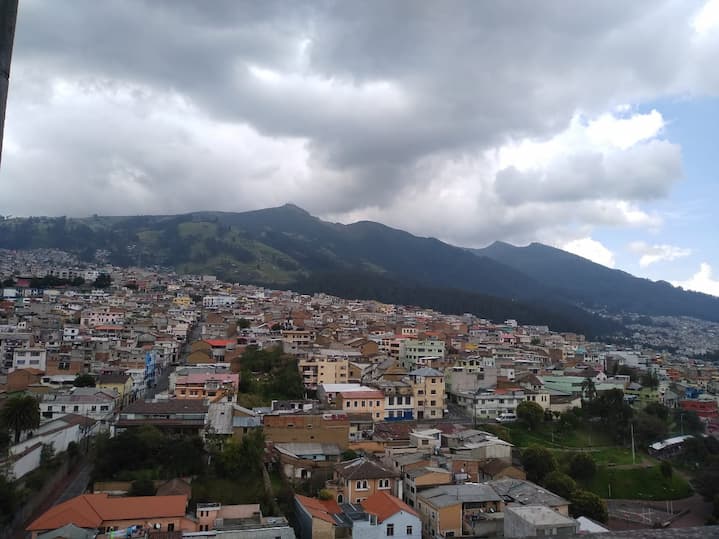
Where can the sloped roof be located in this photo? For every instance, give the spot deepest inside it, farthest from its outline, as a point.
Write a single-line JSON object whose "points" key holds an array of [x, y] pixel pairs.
{"points": [[363, 468], [322, 509], [385, 505], [91, 510]]}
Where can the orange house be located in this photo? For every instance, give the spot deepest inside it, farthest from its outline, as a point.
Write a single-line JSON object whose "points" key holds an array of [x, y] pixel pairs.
{"points": [[106, 514]]}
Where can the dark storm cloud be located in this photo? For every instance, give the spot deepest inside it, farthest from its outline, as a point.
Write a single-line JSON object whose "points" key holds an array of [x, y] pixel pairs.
{"points": [[337, 105]]}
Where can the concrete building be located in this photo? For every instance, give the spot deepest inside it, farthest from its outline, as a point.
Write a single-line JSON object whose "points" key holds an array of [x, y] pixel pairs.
{"points": [[428, 391], [536, 521]]}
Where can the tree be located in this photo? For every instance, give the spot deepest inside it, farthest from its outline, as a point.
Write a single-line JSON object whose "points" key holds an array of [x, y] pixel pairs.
{"points": [[84, 380], [536, 341], [649, 428], [9, 500], [142, 487], [530, 413], [560, 483], [688, 422], [582, 466], [538, 462], [589, 390], [657, 409], [243, 323], [103, 281], [19, 414], [650, 380], [587, 504]]}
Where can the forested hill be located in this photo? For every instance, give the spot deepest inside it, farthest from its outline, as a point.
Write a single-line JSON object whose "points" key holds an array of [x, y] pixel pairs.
{"points": [[586, 283]]}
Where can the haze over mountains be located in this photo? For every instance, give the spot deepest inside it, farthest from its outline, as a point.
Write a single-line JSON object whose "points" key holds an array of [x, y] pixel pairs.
{"points": [[288, 247]]}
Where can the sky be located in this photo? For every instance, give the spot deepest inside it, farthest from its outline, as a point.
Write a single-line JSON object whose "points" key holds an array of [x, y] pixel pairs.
{"points": [[588, 126]]}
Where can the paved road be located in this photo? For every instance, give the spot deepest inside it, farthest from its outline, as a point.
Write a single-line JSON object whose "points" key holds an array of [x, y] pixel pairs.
{"points": [[162, 381], [77, 485]]}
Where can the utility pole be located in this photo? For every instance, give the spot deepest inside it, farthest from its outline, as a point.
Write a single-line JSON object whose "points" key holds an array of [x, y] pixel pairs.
{"points": [[634, 455], [8, 17]]}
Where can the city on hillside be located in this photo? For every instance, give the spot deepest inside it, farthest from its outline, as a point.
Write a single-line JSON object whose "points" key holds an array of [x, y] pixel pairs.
{"points": [[136, 402]]}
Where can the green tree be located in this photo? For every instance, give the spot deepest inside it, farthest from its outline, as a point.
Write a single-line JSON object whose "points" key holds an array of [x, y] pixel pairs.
{"points": [[349, 454], [9, 500], [657, 409], [560, 483], [582, 466], [243, 323], [650, 380], [649, 428], [84, 380], [103, 281], [688, 422], [531, 414], [19, 414], [142, 487], [587, 504], [538, 462], [536, 341]]}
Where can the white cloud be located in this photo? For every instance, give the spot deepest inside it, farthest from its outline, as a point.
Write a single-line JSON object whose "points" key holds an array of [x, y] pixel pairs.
{"points": [[708, 18], [702, 281], [592, 250], [650, 254]]}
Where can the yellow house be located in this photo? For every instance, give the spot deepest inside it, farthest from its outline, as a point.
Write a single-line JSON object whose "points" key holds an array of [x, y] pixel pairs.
{"points": [[362, 402], [428, 390], [120, 382]]}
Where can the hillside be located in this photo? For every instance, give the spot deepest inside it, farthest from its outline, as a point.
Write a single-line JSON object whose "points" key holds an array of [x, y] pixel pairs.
{"points": [[597, 287], [288, 247]]}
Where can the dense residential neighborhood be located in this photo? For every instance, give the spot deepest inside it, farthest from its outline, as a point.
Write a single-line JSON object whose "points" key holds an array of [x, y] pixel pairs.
{"points": [[139, 402]]}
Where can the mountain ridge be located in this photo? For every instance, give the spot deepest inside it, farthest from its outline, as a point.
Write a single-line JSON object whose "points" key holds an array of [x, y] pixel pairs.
{"points": [[286, 245]]}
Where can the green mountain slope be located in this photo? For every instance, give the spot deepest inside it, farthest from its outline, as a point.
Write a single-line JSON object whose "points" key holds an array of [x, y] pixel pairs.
{"points": [[584, 282]]}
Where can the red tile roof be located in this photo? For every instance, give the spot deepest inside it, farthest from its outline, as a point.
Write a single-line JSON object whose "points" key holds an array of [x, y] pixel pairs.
{"points": [[220, 343], [322, 509], [91, 510], [384, 505]]}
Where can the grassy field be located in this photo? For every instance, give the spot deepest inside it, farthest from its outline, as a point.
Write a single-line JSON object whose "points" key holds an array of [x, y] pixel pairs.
{"points": [[641, 483], [547, 436]]}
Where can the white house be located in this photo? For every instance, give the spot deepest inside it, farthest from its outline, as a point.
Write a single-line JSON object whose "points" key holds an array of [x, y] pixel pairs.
{"points": [[35, 358], [95, 403]]}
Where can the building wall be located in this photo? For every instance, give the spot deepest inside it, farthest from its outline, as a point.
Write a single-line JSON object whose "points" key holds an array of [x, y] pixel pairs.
{"points": [[326, 429], [428, 390], [373, 405]]}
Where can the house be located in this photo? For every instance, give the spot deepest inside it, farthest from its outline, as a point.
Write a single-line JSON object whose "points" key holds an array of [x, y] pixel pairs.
{"points": [[456, 510], [356, 480], [302, 461], [244, 521], [379, 516], [370, 401], [120, 382], [180, 416], [98, 404], [428, 391], [537, 521], [104, 513], [418, 479], [326, 428], [206, 385]]}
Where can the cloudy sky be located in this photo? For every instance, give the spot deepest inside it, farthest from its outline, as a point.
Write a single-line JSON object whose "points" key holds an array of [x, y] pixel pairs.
{"points": [[589, 126]]}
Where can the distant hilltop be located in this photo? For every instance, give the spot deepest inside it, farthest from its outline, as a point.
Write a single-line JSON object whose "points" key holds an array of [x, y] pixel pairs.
{"points": [[287, 247]]}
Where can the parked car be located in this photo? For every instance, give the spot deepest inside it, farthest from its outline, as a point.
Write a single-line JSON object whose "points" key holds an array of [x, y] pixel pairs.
{"points": [[506, 417]]}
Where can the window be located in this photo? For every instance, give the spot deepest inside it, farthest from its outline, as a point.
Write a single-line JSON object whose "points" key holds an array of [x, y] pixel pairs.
{"points": [[433, 392], [433, 403], [364, 403], [171, 527], [348, 403], [409, 530], [62, 408], [434, 380], [76, 408], [390, 530], [94, 408], [377, 403]]}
